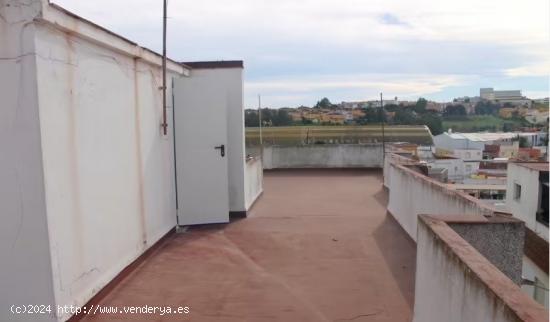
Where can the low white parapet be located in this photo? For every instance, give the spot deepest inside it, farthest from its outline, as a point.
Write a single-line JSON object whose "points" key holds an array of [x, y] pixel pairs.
{"points": [[412, 193], [455, 282], [253, 181], [323, 156]]}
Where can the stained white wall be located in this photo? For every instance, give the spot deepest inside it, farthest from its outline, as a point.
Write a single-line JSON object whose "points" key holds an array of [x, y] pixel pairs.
{"points": [[26, 270], [254, 181], [109, 173], [411, 194], [447, 290], [526, 207], [323, 156], [88, 178]]}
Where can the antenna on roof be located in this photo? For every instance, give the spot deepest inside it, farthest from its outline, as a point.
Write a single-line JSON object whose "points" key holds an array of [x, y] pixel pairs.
{"points": [[260, 124], [164, 18], [382, 114]]}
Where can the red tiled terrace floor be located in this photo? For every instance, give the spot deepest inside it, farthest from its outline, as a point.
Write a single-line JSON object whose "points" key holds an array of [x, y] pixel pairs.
{"points": [[317, 246]]}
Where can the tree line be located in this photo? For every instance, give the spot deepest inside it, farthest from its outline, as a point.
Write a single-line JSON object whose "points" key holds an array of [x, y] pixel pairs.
{"points": [[402, 114]]}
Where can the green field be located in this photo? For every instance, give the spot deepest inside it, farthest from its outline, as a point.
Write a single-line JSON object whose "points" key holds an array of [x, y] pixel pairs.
{"points": [[299, 135], [479, 123]]}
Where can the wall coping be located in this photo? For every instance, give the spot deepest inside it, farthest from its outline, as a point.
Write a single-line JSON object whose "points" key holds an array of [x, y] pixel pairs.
{"points": [[487, 209], [324, 145], [66, 21]]}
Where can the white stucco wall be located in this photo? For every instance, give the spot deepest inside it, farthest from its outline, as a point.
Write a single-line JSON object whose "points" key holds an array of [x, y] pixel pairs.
{"points": [[88, 178], [254, 181], [411, 194], [323, 156], [109, 173], [526, 207], [446, 289], [26, 269]]}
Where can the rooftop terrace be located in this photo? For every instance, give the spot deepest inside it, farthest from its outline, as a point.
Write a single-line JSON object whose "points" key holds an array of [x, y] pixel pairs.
{"points": [[91, 184], [317, 246]]}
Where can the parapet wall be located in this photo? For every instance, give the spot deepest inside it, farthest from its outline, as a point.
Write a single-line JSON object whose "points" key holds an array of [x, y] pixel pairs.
{"points": [[411, 193], [469, 255], [253, 181], [455, 283], [323, 156]]}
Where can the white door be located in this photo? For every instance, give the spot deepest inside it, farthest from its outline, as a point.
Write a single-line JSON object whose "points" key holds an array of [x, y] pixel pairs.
{"points": [[200, 125]]}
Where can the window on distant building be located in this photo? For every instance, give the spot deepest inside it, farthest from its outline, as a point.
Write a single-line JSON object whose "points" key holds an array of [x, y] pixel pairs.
{"points": [[468, 155], [517, 191]]}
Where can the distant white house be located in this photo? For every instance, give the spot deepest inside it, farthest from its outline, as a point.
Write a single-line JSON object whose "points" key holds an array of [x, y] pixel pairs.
{"points": [[473, 141], [527, 199], [527, 196], [454, 167]]}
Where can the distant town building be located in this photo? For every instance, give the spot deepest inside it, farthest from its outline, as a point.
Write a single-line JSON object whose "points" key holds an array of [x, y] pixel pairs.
{"points": [[509, 96], [491, 95], [542, 100], [527, 199], [477, 141], [435, 106], [454, 167]]}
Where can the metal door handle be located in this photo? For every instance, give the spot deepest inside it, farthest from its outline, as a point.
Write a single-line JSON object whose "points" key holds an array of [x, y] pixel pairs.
{"points": [[222, 149]]}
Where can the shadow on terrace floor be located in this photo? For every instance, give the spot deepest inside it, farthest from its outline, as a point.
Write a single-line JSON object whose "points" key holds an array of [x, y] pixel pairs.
{"points": [[317, 246]]}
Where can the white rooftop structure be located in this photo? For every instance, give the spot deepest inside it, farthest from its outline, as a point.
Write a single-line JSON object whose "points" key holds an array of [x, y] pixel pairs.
{"points": [[506, 95], [484, 136], [454, 141]]}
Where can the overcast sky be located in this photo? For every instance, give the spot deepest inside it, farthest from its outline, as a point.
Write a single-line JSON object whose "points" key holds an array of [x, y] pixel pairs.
{"points": [[296, 52]]}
